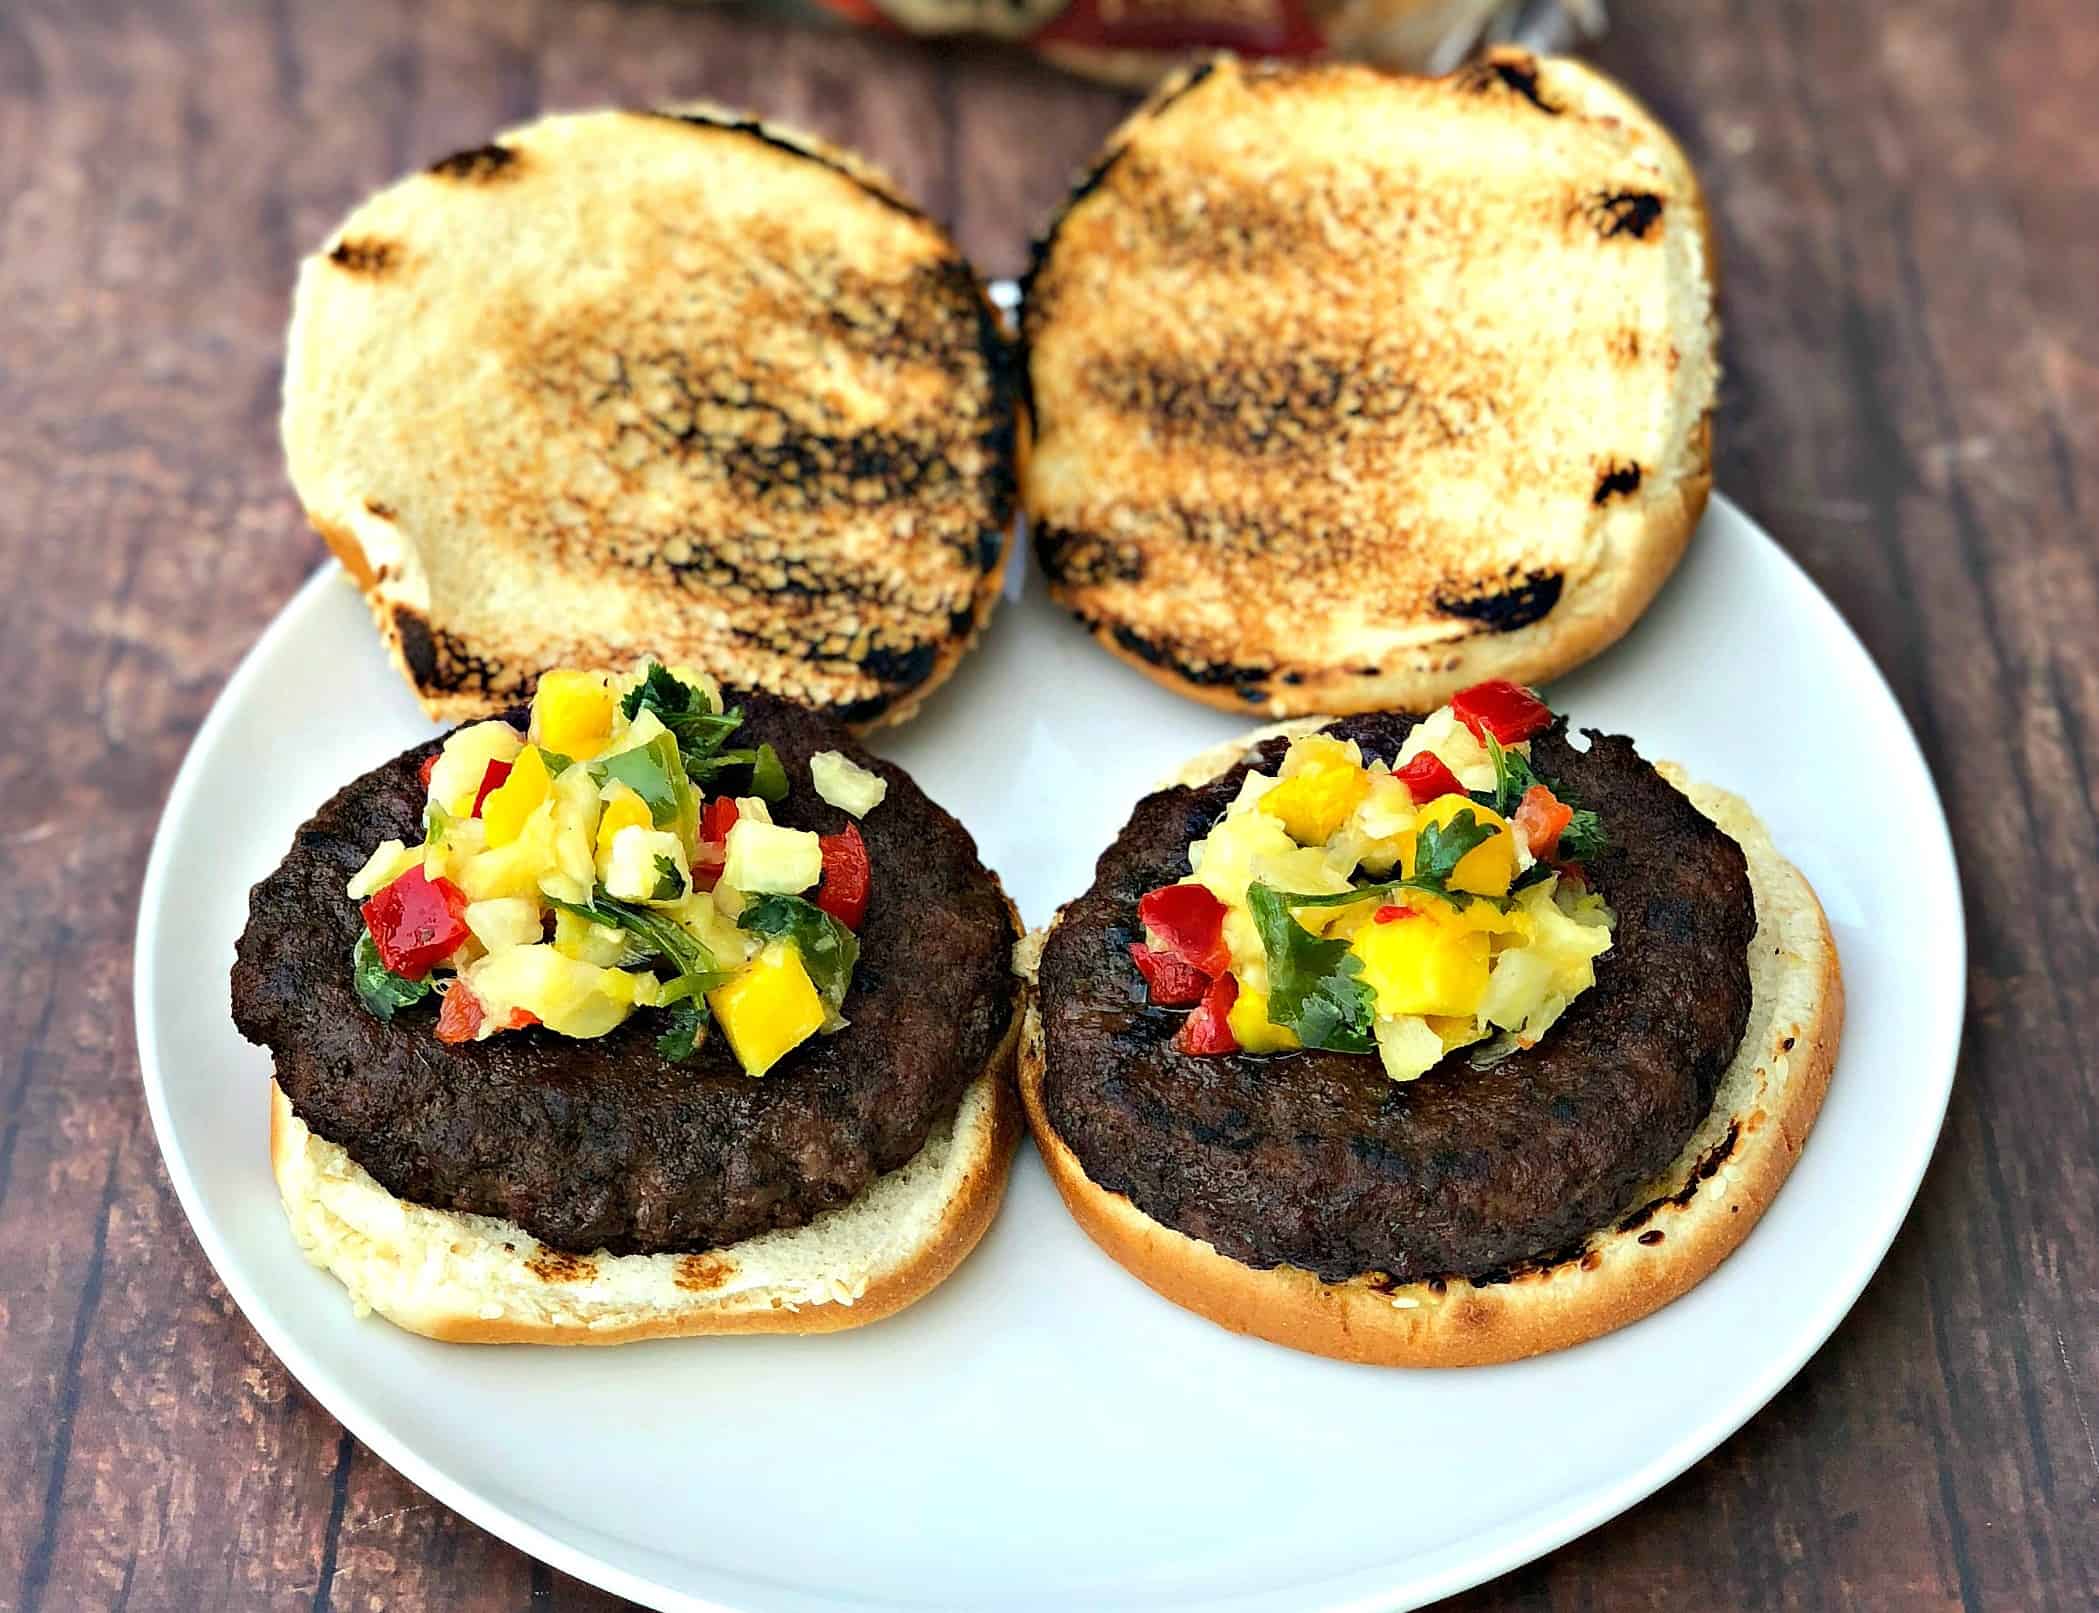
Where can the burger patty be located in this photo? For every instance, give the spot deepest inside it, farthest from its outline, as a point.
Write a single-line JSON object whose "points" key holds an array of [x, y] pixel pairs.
{"points": [[1317, 1159], [604, 1143]]}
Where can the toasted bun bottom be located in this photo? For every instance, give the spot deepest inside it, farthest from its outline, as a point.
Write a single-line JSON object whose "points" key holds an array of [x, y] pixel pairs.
{"points": [[1675, 1228], [474, 1279]]}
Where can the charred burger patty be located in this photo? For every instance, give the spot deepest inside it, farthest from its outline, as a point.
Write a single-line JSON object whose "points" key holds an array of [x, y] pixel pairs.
{"points": [[604, 1143], [1318, 1160]]}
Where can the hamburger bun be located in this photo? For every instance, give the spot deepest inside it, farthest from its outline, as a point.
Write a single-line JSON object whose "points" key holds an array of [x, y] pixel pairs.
{"points": [[1348, 390], [1672, 1232], [474, 1279], [675, 383]]}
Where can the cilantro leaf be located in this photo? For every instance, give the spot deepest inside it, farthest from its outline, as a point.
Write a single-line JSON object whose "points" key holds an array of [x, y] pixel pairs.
{"points": [[829, 950], [670, 882], [1512, 776], [656, 773], [687, 1025], [378, 987], [768, 778], [1440, 847], [1313, 987], [663, 937], [436, 820], [698, 728], [1584, 838], [660, 692]]}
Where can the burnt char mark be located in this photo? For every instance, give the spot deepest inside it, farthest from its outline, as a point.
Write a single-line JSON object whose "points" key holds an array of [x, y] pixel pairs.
{"points": [[1618, 480], [1625, 212], [477, 166], [418, 645], [441, 663], [1504, 612], [365, 255], [1086, 559], [1207, 674], [901, 669], [1708, 1164], [1519, 76], [755, 130], [558, 1266]]}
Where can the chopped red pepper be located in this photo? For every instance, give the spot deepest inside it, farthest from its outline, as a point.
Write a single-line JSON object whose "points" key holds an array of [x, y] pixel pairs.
{"points": [[1428, 778], [717, 818], [1173, 984], [1390, 914], [1541, 816], [1208, 1028], [492, 778], [1189, 923], [1508, 711], [843, 893], [429, 766], [520, 1019], [459, 1019], [415, 922]]}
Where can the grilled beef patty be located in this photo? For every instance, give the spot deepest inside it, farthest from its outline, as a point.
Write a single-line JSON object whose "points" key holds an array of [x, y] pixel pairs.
{"points": [[1317, 1159], [604, 1143]]}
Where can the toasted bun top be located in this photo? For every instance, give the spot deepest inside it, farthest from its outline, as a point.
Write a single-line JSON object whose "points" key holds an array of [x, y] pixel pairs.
{"points": [[671, 383], [1335, 372]]}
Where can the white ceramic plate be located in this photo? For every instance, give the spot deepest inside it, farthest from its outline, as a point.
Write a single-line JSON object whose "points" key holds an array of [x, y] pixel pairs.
{"points": [[1043, 1431]]}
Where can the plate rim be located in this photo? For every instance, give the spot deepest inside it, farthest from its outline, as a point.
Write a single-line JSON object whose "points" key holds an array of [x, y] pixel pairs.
{"points": [[1349, 1592]]}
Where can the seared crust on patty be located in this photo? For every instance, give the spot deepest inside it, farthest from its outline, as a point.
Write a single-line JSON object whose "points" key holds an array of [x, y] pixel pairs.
{"points": [[603, 1144], [670, 382], [1317, 1160], [1350, 389]]}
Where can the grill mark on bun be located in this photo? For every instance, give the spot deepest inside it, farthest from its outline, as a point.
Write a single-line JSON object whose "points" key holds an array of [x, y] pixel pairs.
{"points": [[1294, 403], [366, 255], [1618, 480], [1087, 557], [1503, 75], [699, 1274], [478, 165], [1248, 680], [1507, 609], [558, 1266], [1625, 212]]}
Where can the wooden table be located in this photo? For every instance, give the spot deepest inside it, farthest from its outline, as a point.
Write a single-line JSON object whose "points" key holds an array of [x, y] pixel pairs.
{"points": [[1909, 208]]}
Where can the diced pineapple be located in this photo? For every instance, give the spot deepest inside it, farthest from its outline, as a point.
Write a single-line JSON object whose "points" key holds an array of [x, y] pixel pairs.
{"points": [[455, 778], [1489, 867], [1418, 966], [846, 784], [566, 994], [576, 937], [1250, 1025], [1457, 746], [572, 713], [504, 921], [647, 865], [764, 857], [1408, 1046], [382, 868], [509, 804], [769, 1008], [575, 803]]}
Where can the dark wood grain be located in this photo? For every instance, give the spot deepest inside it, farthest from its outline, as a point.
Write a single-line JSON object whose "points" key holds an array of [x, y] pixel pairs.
{"points": [[1909, 212]]}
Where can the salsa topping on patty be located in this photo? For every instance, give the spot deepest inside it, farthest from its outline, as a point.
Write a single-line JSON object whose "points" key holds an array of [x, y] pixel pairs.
{"points": [[619, 855], [1401, 908]]}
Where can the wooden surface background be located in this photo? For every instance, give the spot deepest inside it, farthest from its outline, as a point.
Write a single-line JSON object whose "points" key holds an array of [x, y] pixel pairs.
{"points": [[1908, 204]]}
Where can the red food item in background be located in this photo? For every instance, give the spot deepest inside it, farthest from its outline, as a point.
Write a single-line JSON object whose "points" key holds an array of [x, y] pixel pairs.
{"points": [[1392, 914], [1427, 777], [416, 922], [847, 876], [1541, 816], [429, 766], [491, 778], [1189, 922], [1208, 1029], [459, 1020], [519, 1019], [1508, 711], [1173, 984]]}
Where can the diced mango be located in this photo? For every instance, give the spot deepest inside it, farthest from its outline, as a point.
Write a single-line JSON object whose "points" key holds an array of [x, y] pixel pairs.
{"points": [[572, 712], [1314, 803], [1489, 867], [510, 803], [769, 1008], [1249, 1022], [624, 810], [455, 777], [1418, 966]]}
